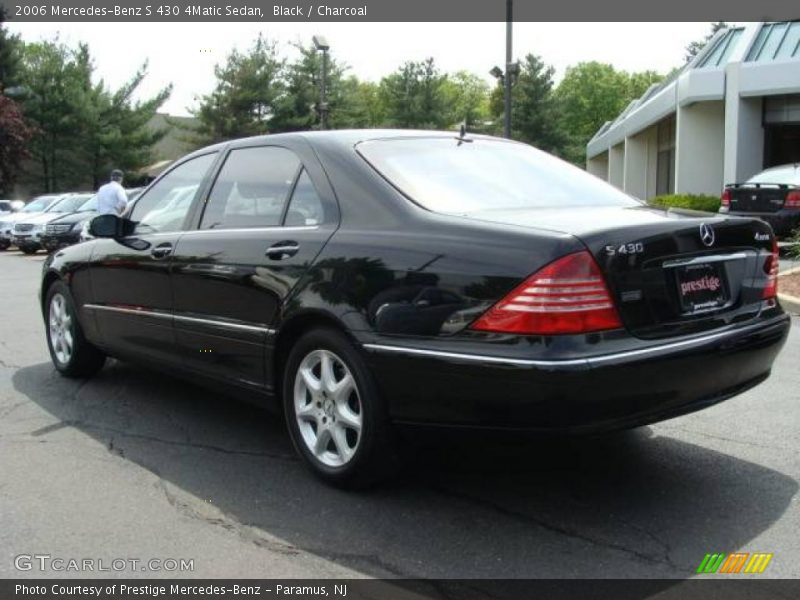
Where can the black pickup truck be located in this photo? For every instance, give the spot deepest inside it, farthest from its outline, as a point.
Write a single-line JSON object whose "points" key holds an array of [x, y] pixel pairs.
{"points": [[773, 196]]}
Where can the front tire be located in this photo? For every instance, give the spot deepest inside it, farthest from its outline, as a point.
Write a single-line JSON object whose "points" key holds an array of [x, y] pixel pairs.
{"points": [[29, 249], [72, 354], [337, 420]]}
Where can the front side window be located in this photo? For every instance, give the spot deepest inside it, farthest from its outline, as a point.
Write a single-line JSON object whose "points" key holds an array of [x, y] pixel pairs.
{"points": [[164, 207], [450, 176], [251, 189]]}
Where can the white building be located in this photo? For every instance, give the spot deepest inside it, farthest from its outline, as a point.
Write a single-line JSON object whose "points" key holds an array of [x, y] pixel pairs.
{"points": [[728, 114]]}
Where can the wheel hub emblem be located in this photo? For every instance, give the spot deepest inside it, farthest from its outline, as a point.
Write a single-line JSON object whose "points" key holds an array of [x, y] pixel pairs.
{"points": [[328, 407], [706, 234]]}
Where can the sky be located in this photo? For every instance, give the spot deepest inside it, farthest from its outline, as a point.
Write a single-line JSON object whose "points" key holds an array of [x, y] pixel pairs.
{"points": [[184, 54]]}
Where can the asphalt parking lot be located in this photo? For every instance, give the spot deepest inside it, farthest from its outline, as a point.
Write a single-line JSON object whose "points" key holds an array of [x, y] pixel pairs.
{"points": [[134, 464]]}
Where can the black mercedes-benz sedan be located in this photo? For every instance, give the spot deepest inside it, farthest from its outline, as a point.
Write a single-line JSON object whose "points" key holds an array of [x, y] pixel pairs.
{"points": [[772, 195], [363, 280]]}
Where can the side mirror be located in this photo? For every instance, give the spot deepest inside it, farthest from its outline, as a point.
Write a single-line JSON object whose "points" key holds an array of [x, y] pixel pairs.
{"points": [[107, 226]]}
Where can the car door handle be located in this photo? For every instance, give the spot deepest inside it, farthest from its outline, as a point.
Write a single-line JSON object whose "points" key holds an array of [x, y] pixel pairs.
{"points": [[162, 250], [282, 250]]}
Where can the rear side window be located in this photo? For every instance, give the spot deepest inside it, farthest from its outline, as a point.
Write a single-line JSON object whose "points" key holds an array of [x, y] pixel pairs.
{"points": [[305, 207], [461, 177], [251, 189]]}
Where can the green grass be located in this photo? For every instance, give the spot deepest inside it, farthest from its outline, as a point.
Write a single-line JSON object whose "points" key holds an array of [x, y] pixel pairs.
{"points": [[691, 201]]}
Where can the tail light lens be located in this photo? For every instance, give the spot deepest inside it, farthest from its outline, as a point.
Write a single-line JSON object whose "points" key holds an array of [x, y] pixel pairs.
{"points": [[771, 269], [567, 296], [792, 200], [725, 198]]}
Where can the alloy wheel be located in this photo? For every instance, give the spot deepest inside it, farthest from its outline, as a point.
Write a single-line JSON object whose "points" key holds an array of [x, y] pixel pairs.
{"points": [[328, 408], [60, 325]]}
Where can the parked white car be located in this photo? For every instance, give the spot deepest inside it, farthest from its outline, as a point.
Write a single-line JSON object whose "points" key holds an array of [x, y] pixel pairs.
{"points": [[35, 207], [27, 232]]}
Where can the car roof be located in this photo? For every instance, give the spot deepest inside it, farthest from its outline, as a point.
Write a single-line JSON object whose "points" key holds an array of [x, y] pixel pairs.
{"points": [[343, 137]]}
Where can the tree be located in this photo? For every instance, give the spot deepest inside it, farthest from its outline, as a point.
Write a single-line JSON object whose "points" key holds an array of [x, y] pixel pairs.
{"points": [[122, 138], [361, 105], [82, 128], [247, 95], [10, 47], [467, 98], [299, 108], [534, 111], [694, 47], [590, 94], [414, 96], [14, 136]]}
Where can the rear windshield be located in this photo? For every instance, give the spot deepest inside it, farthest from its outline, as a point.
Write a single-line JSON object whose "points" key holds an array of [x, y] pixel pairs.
{"points": [[788, 175], [458, 177]]}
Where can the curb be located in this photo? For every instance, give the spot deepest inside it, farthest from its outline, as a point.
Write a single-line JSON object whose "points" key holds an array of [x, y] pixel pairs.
{"points": [[789, 303]]}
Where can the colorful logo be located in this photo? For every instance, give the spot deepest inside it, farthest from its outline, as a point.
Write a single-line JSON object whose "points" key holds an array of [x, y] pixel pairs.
{"points": [[736, 562]]}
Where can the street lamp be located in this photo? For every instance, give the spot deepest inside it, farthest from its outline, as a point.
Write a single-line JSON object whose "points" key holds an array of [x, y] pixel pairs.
{"points": [[507, 82], [509, 76], [321, 44]]}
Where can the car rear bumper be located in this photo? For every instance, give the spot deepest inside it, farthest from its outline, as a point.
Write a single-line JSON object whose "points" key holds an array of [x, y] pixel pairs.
{"points": [[597, 393], [783, 222]]}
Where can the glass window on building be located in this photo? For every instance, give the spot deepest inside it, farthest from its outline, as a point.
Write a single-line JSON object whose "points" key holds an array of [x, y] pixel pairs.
{"points": [[665, 165]]}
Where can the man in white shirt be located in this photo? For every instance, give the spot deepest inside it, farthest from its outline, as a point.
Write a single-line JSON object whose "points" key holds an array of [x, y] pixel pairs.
{"points": [[111, 197]]}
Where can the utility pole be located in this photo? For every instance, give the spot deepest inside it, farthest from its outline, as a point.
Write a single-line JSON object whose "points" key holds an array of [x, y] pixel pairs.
{"points": [[508, 70], [322, 46]]}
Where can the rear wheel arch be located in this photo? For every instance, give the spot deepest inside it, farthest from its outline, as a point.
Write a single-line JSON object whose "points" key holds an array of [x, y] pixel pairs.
{"points": [[292, 330], [49, 279]]}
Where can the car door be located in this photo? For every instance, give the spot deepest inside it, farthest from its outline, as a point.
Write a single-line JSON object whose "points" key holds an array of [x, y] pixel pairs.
{"points": [[131, 287], [266, 217]]}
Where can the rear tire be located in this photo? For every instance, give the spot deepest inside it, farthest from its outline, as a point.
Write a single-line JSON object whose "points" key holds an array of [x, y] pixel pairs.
{"points": [[338, 422], [4, 245], [72, 354], [29, 249]]}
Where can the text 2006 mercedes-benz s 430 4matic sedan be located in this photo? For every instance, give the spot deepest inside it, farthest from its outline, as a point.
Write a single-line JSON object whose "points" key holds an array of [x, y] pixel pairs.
{"points": [[363, 280]]}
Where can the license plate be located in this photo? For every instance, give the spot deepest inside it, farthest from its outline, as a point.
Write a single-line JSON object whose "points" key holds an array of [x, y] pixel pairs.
{"points": [[701, 287]]}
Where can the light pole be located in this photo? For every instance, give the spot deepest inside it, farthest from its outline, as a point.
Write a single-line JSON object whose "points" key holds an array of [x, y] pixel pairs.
{"points": [[507, 83], [321, 44], [508, 76]]}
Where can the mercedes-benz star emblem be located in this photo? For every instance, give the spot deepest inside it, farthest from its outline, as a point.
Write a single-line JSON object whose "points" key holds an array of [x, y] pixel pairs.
{"points": [[706, 234]]}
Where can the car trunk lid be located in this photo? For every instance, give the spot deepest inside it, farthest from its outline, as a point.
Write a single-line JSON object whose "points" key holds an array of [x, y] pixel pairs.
{"points": [[763, 198], [671, 272]]}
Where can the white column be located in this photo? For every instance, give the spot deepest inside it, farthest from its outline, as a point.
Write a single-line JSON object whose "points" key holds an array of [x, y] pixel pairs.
{"points": [[641, 155], [616, 165], [744, 131], [700, 148], [598, 165]]}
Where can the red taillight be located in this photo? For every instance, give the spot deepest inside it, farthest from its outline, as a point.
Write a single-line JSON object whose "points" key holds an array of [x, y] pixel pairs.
{"points": [[771, 269], [725, 198], [792, 200], [567, 296]]}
